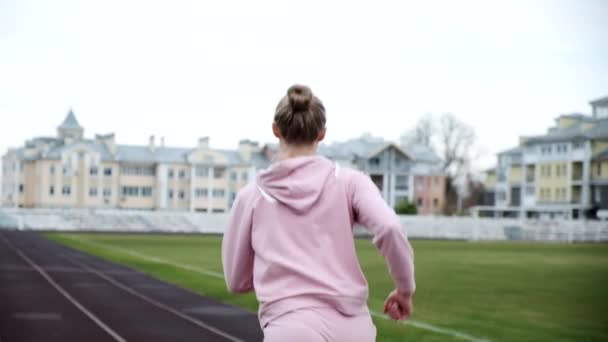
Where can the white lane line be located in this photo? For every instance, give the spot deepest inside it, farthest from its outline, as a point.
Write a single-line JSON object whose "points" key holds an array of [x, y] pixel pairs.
{"points": [[156, 303], [427, 326], [415, 323], [63, 292], [148, 258]]}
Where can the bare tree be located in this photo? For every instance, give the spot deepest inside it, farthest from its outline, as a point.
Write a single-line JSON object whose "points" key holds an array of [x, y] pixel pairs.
{"points": [[453, 140], [422, 134], [457, 142]]}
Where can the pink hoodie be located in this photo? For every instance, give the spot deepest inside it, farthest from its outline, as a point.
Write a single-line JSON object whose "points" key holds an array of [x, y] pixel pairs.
{"points": [[290, 238]]}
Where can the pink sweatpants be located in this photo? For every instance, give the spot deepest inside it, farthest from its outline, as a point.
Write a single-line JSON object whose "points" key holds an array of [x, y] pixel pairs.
{"points": [[320, 325]]}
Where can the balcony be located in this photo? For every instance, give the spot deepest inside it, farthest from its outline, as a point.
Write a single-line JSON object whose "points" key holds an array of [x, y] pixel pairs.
{"points": [[577, 172]]}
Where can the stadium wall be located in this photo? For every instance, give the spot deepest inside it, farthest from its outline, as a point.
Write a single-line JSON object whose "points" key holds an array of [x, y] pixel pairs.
{"points": [[416, 227]]}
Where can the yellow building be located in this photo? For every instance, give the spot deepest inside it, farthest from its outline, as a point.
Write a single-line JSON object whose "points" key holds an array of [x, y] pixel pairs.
{"points": [[561, 173], [71, 171]]}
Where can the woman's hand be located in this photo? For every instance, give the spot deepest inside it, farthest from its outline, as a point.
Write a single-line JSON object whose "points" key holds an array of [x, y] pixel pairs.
{"points": [[398, 306]]}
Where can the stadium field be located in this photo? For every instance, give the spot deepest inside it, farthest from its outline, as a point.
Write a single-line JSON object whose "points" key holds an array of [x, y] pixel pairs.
{"points": [[466, 291]]}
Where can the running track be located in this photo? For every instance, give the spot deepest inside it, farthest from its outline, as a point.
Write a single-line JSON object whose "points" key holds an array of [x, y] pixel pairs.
{"points": [[49, 292]]}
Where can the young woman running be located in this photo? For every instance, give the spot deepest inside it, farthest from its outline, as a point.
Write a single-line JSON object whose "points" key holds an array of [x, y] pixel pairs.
{"points": [[290, 238]]}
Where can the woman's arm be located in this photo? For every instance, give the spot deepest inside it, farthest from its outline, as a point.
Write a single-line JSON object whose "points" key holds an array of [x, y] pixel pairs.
{"points": [[237, 253], [372, 212]]}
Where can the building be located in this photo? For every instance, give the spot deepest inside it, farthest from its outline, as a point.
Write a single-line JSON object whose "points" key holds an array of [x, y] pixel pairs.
{"points": [[410, 173], [563, 173], [429, 181], [70, 170]]}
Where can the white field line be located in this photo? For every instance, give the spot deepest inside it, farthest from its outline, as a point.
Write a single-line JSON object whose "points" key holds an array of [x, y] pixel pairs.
{"points": [[412, 322], [64, 293], [158, 304]]}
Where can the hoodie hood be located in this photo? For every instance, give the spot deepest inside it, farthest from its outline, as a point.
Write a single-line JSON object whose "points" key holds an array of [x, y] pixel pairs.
{"points": [[297, 182]]}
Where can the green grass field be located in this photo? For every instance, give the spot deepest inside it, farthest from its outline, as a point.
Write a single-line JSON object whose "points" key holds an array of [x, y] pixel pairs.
{"points": [[491, 291]]}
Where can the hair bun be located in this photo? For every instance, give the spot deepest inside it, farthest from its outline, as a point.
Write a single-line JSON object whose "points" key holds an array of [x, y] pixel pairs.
{"points": [[299, 97]]}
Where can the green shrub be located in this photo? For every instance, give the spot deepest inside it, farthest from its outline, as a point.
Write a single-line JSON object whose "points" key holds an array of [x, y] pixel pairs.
{"points": [[405, 207]]}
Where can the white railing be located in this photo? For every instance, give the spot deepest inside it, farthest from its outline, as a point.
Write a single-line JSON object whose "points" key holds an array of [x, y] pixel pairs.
{"points": [[416, 227]]}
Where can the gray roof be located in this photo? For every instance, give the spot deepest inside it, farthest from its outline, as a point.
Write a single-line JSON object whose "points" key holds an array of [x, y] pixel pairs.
{"points": [[601, 100], [57, 149], [363, 146], [575, 132], [512, 151], [259, 160], [423, 153], [70, 121], [143, 154]]}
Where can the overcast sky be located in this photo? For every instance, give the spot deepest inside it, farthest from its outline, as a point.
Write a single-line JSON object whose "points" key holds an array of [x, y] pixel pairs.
{"points": [[186, 69]]}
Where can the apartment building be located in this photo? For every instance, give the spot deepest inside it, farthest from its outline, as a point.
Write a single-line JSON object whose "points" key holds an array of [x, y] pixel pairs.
{"points": [[411, 173], [563, 173], [69, 170], [429, 180]]}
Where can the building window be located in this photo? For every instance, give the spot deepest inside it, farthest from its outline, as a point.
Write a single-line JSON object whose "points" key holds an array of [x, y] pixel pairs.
{"points": [[401, 182], [93, 171], [130, 191], [182, 194], [66, 190], [419, 183], [93, 192], [200, 192], [233, 176], [219, 172], [170, 173], [245, 176], [138, 170], [419, 202], [374, 161], [218, 193], [170, 194], [64, 170], [107, 171], [146, 191], [21, 188], [232, 196], [52, 169], [577, 145], [52, 190], [435, 203], [201, 171], [599, 169], [182, 174], [107, 192]]}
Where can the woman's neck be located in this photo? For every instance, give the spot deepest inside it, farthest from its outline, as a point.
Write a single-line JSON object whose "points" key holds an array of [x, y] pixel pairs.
{"points": [[292, 151]]}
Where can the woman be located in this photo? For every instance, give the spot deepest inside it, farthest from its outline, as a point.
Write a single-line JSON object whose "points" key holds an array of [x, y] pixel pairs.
{"points": [[290, 237]]}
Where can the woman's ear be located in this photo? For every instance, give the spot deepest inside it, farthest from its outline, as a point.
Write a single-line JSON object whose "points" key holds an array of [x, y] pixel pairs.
{"points": [[275, 130], [322, 135]]}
